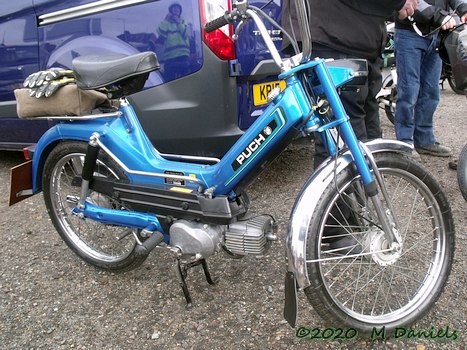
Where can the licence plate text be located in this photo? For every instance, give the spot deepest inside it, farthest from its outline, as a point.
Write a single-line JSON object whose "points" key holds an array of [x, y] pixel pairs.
{"points": [[261, 91]]}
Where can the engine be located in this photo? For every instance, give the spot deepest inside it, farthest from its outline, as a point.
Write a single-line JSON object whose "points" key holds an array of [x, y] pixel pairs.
{"points": [[195, 239], [250, 236], [243, 237]]}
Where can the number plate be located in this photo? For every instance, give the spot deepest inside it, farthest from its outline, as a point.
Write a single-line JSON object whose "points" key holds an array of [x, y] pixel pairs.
{"points": [[261, 91]]}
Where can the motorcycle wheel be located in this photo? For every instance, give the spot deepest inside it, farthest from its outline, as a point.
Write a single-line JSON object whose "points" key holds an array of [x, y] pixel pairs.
{"points": [[374, 288], [105, 246], [462, 172]]}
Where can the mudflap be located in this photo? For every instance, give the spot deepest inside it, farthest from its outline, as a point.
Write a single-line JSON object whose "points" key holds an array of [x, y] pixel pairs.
{"points": [[20, 182], [290, 305]]}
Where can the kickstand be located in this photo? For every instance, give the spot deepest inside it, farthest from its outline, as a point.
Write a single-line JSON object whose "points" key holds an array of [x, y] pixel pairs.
{"points": [[182, 271]]}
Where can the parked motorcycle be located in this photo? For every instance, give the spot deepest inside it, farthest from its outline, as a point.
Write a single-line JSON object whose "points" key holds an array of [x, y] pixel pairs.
{"points": [[370, 239]]}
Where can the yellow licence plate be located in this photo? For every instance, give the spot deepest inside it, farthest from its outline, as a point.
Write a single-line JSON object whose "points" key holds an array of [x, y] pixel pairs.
{"points": [[261, 91]]}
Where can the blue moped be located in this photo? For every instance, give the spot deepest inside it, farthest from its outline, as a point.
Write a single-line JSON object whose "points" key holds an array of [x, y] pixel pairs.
{"points": [[370, 240]]}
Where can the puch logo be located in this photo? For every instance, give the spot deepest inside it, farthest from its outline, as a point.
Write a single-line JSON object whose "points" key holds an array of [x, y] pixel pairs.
{"points": [[254, 145]]}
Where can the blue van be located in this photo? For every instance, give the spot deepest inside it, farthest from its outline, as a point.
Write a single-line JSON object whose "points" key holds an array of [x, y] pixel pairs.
{"points": [[209, 88]]}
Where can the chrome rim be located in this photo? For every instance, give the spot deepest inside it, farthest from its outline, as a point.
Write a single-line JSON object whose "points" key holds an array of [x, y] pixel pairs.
{"points": [[98, 241], [384, 287]]}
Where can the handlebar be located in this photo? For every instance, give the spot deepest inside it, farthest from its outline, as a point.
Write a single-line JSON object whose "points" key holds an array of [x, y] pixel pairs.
{"points": [[218, 22], [244, 12]]}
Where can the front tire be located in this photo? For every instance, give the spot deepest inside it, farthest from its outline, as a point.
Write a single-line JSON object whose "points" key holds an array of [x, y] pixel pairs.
{"points": [[375, 288], [104, 246]]}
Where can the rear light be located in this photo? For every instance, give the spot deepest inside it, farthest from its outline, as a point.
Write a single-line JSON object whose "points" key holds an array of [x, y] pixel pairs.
{"points": [[219, 41], [26, 153]]}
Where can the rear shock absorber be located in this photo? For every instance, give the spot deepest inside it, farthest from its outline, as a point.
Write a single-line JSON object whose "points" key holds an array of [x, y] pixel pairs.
{"points": [[88, 168]]}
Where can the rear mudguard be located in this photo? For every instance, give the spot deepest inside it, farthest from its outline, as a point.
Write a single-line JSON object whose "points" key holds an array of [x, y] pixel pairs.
{"points": [[307, 200], [64, 131]]}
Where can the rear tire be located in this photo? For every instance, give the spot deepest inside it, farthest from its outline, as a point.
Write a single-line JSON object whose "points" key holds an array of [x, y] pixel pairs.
{"points": [[94, 242], [377, 289]]}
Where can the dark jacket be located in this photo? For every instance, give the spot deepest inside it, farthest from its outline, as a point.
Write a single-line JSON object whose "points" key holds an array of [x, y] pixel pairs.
{"points": [[430, 14], [355, 27]]}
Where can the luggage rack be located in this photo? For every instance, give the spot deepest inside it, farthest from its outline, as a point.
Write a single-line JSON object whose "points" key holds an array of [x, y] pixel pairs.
{"points": [[79, 117]]}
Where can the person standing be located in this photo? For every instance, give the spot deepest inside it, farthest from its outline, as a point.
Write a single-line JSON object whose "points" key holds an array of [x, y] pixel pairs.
{"points": [[351, 29], [418, 73], [173, 32]]}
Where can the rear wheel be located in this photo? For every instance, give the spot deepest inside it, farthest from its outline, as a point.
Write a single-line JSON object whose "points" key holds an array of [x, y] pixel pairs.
{"points": [[104, 246], [364, 284]]}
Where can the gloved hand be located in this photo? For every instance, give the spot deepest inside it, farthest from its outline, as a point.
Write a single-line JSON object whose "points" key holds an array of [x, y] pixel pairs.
{"points": [[49, 87], [38, 78]]}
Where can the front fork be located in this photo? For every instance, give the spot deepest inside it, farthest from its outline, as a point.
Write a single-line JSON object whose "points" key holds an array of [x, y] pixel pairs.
{"points": [[359, 154]]}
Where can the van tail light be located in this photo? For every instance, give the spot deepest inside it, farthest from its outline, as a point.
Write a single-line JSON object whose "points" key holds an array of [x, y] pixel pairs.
{"points": [[219, 41]]}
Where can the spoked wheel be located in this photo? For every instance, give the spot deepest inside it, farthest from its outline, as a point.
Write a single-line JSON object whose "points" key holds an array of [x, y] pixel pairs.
{"points": [[104, 246], [357, 280], [462, 172]]}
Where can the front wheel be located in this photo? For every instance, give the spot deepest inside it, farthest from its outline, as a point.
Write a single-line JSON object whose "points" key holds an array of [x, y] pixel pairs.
{"points": [[462, 172], [356, 279], [104, 246]]}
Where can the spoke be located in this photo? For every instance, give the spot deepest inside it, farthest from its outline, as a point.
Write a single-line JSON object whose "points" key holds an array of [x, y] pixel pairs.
{"points": [[351, 283], [377, 293], [356, 285], [389, 288], [419, 245]]}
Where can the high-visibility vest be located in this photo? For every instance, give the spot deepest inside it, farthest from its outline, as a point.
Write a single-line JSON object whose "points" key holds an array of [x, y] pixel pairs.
{"points": [[175, 39]]}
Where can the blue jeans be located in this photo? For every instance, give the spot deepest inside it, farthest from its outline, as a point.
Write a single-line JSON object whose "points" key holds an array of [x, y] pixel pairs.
{"points": [[418, 72]]}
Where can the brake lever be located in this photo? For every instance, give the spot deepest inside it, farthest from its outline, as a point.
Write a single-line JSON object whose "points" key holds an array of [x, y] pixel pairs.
{"points": [[238, 29]]}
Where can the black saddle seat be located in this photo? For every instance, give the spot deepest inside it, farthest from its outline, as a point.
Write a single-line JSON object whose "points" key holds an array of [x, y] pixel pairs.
{"points": [[96, 71]]}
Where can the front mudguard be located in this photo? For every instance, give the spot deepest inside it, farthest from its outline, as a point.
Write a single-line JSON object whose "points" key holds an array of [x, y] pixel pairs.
{"points": [[307, 201]]}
